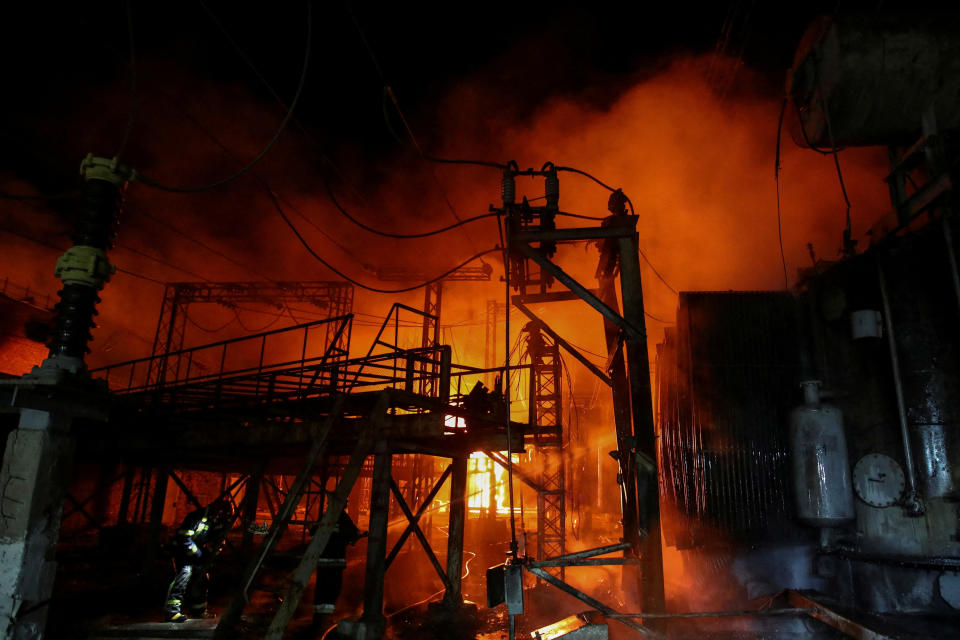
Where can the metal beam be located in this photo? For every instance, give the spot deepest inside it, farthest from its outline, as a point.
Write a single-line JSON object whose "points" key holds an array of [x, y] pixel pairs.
{"points": [[78, 508], [596, 604], [186, 490], [590, 553], [328, 523], [377, 542], [156, 521], [572, 235], [502, 461], [644, 431], [584, 562], [420, 511], [828, 616], [583, 292], [550, 296], [231, 616], [419, 533], [458, 512], [251, 498], [563, 343]]}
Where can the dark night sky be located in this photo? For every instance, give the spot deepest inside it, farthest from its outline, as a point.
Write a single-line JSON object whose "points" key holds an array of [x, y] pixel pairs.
{"points": [[66, 75], [466, 75], [461, 72]]}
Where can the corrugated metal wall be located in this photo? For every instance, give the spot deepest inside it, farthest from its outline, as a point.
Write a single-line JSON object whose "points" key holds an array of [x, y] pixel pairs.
{"points": [[727, 377]]}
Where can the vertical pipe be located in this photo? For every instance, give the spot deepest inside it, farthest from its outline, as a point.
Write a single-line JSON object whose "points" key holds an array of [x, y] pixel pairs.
{"points": [[457, 507], [911, 500]]}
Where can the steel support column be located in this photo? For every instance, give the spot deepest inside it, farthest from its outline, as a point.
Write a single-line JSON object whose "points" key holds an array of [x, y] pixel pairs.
{"points": [[156, 520], [376, 567], [251, 498], [458, 512], [645, 441]]}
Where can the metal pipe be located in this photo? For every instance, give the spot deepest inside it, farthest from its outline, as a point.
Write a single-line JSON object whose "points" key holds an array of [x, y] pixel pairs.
{"points": [[935, 563], [911, 501], [715, 614]]}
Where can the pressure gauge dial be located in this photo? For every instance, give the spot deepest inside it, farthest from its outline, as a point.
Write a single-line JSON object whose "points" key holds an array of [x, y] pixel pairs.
{"points": [[878, 480]]}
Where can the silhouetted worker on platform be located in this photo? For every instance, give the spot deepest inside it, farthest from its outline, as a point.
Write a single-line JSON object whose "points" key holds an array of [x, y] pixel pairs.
{"points": [[330, 567], [195, 544], [483, 402]]}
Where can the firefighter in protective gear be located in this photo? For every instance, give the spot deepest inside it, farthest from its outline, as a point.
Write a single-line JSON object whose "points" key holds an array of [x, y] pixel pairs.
{"points": [[330, 567], [194, 545]]}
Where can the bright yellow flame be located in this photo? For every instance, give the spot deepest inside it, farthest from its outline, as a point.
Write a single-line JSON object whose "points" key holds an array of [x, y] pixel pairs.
{"points": [[481, 470]]}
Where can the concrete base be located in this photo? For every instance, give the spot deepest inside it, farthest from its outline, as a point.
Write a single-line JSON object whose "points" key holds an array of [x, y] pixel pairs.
{"points": [[33, 480]]}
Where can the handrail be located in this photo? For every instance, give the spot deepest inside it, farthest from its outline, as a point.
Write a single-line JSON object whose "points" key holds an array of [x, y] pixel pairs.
{"points": [[204, 371], [223, 342]]}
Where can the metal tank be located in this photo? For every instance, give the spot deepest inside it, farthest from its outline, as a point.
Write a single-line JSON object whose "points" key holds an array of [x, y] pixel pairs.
{"points": [[869, 79], [823, 488]]}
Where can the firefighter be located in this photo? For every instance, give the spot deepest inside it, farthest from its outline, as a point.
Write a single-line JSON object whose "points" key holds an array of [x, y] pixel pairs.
{"points": [[330, 567], [194, 546], [484, 402], [477, 402]]}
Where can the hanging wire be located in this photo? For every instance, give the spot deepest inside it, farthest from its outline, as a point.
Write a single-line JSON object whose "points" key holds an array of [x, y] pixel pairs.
{"points": [[214, 330], [283, 124], [61, 250], [312, 252], [400, 236], [133, 83], [776, 174], [413, 139]]}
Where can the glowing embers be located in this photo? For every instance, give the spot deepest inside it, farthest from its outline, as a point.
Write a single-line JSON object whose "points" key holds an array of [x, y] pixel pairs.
{"points": [[486, 486]]}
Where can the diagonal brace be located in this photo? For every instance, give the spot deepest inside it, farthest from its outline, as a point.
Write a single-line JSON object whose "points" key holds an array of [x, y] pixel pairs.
{"points": [[423, 509], [571, 283], [596, 604], [529, 481], [419, 533], [563, 343]]}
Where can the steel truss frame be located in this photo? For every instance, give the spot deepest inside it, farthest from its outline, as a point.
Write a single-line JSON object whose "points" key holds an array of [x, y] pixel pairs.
{"points": [[335, 298], [628, 372]]}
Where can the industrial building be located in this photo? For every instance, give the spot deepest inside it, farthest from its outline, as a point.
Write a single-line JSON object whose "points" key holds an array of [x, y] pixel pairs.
{"points": [[382, 323]]}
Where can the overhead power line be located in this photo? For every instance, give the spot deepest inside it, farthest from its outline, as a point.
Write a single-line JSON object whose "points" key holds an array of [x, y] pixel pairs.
{"points": [[283, 124], [199, 243], [401, 236], [776, 176], [128, 128], [226, 150], [276, 96], [54, 247], [413, 139], [310, 250]]}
